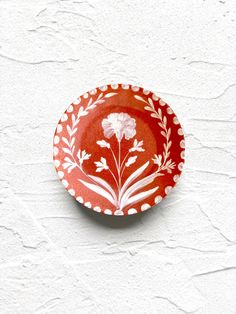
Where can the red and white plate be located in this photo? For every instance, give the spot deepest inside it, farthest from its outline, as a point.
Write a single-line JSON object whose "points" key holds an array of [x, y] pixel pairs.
{"points": [[119, 149]]}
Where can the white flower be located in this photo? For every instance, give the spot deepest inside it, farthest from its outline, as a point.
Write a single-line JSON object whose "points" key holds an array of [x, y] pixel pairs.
{"points": [[120, 124], [137, 146], [103, 144], [82, 156], [101, 165], [131, 161], [157, 159]]}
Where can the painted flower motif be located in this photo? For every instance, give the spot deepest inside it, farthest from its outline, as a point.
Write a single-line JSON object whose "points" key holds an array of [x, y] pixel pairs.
{"points": [[119, 124], [137, 146], [82, 155], [103, 144], [131, 161], [157, 159], [169, 166], [101, 165]]}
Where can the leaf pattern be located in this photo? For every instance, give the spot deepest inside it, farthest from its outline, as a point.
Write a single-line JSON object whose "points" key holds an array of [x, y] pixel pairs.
{"points": [[97, 189]]}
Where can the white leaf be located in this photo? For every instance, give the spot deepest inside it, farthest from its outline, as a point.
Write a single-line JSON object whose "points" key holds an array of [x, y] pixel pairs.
{"points": [[139, 98], [154, 115], [110, 95], [103, 183], [65, 165], [83, 113], [98, 102], [72, 141], [65, 140], [74, 131], [137, 186], [90, 101], [100, 96], [140, 196], [133, 176], [103, 143], [68, 129], [169, 144], [100, 191], [66, 150], [168, 133], [68, 159], [71, 168], [151, 102], [91, 107], [148, 108]]}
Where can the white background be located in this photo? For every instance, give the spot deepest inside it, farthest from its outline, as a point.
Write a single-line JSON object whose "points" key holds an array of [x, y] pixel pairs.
{"points": [[57, 257]]}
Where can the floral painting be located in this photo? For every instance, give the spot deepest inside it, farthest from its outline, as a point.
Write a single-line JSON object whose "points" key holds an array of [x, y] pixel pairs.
{"points": [[114, 163]]}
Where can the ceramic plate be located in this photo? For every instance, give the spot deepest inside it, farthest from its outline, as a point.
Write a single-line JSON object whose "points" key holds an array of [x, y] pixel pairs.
{"points": [[119, 149]]}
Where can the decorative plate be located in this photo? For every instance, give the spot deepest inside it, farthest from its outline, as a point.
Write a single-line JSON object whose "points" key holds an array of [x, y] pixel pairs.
{"points": [[119, 149]]}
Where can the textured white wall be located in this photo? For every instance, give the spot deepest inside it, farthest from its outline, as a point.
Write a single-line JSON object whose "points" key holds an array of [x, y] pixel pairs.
{"points": [[56, 257]]}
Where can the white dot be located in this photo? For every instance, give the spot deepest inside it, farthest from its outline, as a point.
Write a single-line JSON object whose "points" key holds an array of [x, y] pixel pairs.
{"points": [[182, 154], [118, 213], [162, 103], [97, 209], [175, 120], [72, 192], [132, 211], [93, 91], [60, 174], [180, 166], [182, 144], [168, 189], [180, 131], [114, 86], [80, 199], [88, 204], [176, 178], [169, 110], [55, 151], [145, 207], [59, 128], [85, 95], [146, 92], [57, 163], [64, 117], [155, 97], [56, 139], [107, 212], [65, 183], [70, 109], [125, 86], [77, 101], [158, 199], [135, 88], [103, 88]]}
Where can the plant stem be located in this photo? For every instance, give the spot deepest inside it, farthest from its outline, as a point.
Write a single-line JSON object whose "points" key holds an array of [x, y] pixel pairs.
{"points": [[114, 178], [119, 165], [114, 157], [124, 159]]}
